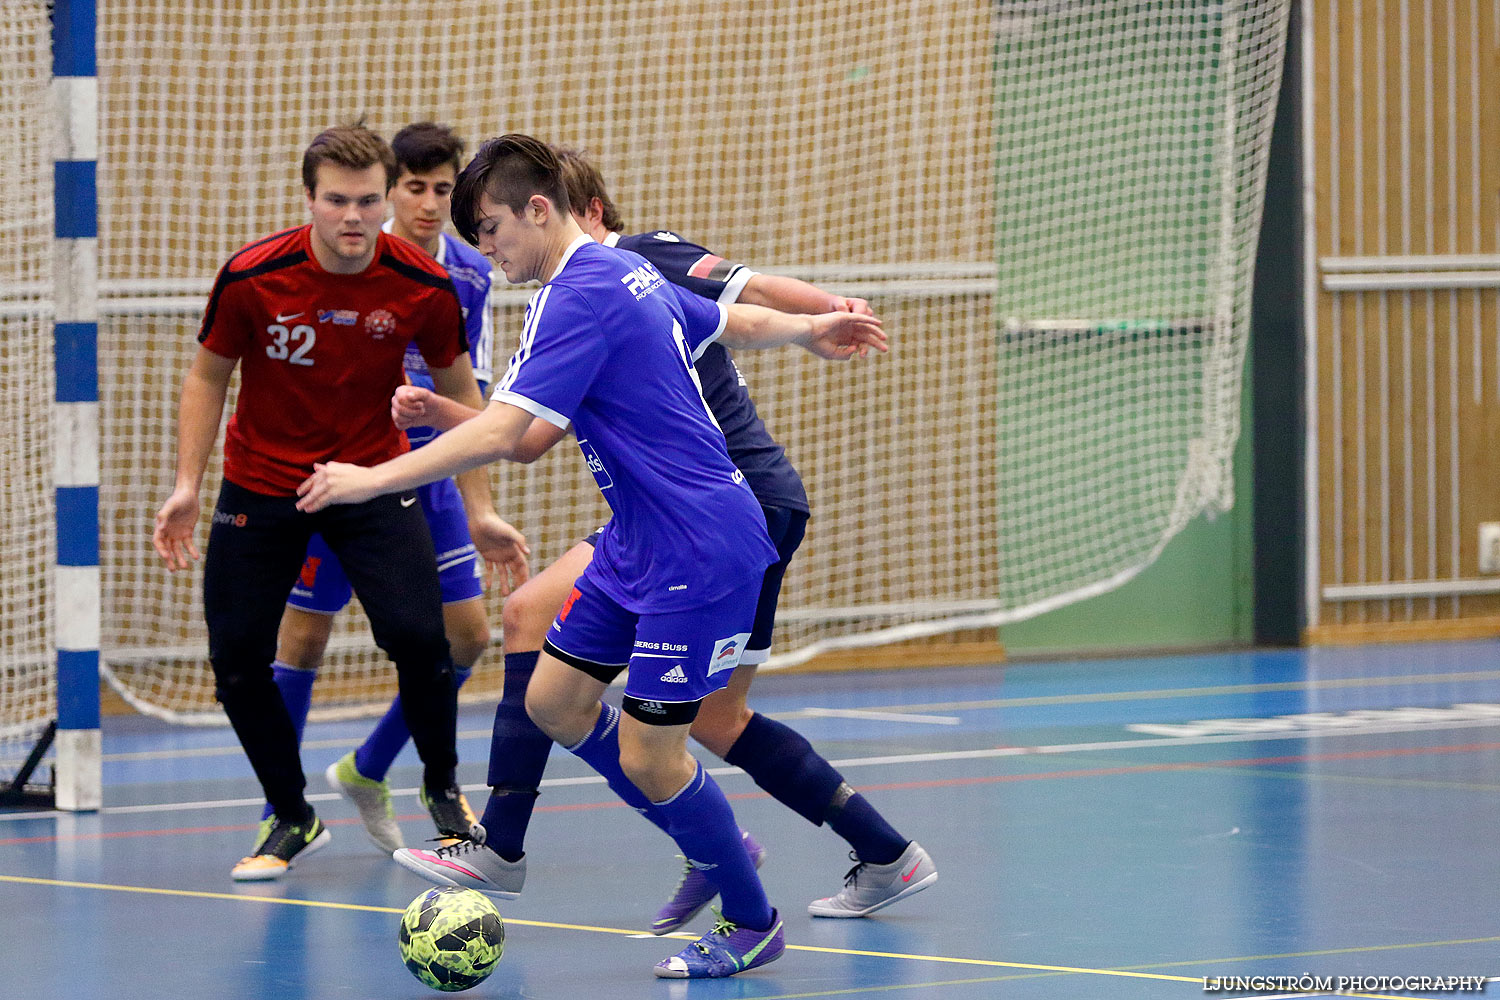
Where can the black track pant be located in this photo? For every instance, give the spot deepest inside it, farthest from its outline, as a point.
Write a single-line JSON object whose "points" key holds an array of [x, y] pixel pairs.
{"points": [[255, 550]]}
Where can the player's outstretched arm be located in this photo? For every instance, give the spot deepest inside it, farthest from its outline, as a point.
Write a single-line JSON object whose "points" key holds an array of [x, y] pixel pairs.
{"points": [[496, 433], [793, 295], [836, 336], [199, 410], [416, 406]]}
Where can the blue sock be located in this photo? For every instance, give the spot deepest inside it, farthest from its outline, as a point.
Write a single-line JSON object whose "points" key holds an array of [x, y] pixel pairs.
{"points": [[295, 685], [518, 756], [700, 821], [781, 761], [373, 758], [600, 749]]}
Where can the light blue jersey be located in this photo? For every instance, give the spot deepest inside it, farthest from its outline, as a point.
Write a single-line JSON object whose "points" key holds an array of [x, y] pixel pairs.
{"points": [[608, 346]]}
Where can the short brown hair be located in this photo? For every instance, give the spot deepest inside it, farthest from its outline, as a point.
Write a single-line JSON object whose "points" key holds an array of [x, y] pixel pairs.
{"points": [[425, 146], [352, 146], [584, 184], [510, 170]]}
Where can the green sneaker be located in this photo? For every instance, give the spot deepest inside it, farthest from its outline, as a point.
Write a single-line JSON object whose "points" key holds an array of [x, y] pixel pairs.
{"points": [[373, 800], [278, 844]]}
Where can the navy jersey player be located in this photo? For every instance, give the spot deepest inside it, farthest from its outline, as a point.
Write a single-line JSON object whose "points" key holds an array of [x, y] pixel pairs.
{"points": [[314, 389], [888, 867], [428, 157], [669, 597]]}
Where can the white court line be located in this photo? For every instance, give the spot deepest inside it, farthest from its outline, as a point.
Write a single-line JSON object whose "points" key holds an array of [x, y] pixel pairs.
{"points": [[914, 758], [857, 713]]}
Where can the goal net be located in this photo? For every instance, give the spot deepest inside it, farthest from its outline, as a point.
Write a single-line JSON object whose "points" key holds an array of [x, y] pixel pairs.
{"points": [[27, 663], [1053, 205]]}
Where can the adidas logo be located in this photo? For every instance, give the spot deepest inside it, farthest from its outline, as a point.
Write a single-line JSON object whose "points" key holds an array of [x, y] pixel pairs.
{"points": [[675, 676]]}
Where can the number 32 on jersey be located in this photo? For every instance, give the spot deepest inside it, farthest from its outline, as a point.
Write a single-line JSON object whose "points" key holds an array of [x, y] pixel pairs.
{"points": [[291, 344]]}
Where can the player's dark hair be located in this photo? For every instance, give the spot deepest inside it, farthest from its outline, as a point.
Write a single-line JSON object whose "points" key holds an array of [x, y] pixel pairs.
{"points": [[352, 146], [510, 170], [584, 184], [426, 146]]}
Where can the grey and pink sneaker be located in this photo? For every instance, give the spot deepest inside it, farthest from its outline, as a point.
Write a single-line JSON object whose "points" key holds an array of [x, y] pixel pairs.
{"points": [[466, 863], [868, 887], [695, 891]]}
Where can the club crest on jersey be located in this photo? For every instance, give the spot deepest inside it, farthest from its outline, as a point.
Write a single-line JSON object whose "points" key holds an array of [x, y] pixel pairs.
{"points": [[338, 317], [727, 653], [379, 323], [643, 280]]}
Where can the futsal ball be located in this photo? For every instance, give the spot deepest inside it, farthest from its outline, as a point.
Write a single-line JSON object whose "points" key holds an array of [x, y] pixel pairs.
{"points": [[451, 938]]}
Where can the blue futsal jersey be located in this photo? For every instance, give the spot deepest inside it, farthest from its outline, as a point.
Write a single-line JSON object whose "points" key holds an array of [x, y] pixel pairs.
{"points": [[608, 345], [470, 273], [751, 447]]}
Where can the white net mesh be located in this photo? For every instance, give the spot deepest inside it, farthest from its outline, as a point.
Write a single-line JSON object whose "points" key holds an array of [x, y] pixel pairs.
{"points": [[27, 666], [1053, 205]]}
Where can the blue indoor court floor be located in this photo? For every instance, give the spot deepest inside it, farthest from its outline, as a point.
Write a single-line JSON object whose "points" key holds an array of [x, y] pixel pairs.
{"points": [[1107, 828]]}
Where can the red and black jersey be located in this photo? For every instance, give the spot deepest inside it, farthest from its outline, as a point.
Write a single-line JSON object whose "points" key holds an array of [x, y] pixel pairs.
{"points": [[320, 353]]}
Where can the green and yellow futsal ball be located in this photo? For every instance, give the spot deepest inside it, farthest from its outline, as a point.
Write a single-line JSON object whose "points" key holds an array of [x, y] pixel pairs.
{"points": [[451, 938]]}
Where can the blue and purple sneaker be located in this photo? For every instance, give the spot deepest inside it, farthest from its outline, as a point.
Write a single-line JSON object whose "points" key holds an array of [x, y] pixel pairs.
{"points": [[725, 951]]}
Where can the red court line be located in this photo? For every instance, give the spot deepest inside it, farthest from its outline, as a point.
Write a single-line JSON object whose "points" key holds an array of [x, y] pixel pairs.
{"points": [[1092, 772]]}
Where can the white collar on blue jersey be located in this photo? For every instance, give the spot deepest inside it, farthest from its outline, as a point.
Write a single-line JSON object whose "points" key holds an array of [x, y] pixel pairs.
{"points": [[582, 241], [389, 226], [611, 239]]}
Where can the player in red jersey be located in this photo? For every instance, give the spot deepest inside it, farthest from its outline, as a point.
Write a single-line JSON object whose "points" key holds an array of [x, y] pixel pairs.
{"points": [[318, 318]]}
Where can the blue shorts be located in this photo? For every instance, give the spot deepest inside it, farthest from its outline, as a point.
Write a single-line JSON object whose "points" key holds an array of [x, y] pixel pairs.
{"points": [[323, 589], [676, 658], [787, 527]]}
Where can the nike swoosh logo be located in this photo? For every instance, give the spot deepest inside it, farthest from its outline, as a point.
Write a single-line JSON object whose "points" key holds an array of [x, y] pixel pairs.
{"points": [[289, 316], [435, 860], [408, 501], [908, 875]]}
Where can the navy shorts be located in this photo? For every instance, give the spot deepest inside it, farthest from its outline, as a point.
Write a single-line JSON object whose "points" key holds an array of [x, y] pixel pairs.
{"points": [[323, 589], [673, 658]]}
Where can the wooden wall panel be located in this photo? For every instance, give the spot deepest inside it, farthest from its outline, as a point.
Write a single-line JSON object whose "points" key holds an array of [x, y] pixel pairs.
{"points": [[1404, 163]]}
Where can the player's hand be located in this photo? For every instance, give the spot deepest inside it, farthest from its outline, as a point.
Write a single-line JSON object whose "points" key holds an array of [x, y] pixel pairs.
{"points": [[504, 550], [336, 482], [409, 406], [173, 536], [839, 336], [861, 306]]}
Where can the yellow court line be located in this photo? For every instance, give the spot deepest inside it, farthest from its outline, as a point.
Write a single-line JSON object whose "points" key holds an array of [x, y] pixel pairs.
{"points": [[944, 959], [199, 894]]}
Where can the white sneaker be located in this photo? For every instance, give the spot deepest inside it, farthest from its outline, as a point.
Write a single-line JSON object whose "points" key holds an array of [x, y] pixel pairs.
{"points": [[372, 798], [467, 863], [868, 887]]}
